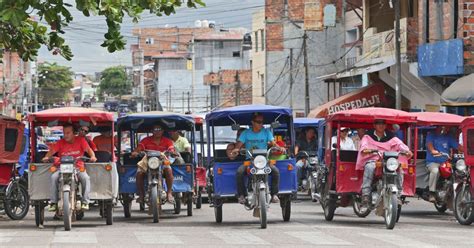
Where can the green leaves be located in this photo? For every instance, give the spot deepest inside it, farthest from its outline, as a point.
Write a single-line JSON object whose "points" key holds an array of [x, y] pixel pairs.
{"points": [[24, 34], [54, 82], [114, 81]]}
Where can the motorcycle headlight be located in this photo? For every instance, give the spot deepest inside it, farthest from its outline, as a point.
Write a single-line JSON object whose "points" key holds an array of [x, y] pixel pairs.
{"points": [[392, 164], [461, 165], [313, 160], [260, 162], [153, 163]]}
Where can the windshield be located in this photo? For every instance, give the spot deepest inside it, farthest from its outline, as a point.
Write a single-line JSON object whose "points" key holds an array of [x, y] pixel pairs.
{"points": [[221, 134]]}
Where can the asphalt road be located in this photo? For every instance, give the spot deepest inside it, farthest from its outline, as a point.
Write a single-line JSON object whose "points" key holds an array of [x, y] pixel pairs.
{"points": [[420, 226]]}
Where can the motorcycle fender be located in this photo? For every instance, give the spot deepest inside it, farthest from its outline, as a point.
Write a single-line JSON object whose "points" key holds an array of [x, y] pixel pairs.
{"points": [[262, 186], [392, 188], [66, 188], [459, 187], [154, 181]]}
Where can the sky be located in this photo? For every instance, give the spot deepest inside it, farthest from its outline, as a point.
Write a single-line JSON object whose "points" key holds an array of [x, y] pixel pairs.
{"points": [[85, 34]]}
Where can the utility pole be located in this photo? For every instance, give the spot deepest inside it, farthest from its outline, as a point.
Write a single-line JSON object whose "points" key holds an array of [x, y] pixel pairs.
{"points": [[189, 102], [142, 74], [291, 78], [306, 78], [398, 70], [193, 71], [207, 103], [170, 109], [237, 88], [156, 85], [182, 101]]}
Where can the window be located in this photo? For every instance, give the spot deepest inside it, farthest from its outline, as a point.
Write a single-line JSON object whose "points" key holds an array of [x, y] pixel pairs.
{"points": [[470, 142], [11, 135], [149, 41], [262, 36], [236, 54], [174, 46], [219, 45], [256, 41]]}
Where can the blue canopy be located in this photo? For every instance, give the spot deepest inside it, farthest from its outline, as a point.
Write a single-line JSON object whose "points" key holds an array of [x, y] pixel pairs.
{"points": [[243, 114], [307, 122], [144, 121]]}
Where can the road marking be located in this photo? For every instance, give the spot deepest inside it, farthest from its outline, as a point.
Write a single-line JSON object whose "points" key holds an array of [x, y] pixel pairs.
{"points": [[74, 237], [239, 238], [164, 238], [397, 240], [319, 238], [7, 236]]}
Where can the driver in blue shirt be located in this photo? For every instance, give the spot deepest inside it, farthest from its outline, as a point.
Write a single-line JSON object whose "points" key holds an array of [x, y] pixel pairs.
{"points": [[256, 137]]}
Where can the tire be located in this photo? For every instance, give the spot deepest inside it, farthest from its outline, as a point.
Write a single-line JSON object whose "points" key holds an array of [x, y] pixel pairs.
{"points": [[177, 205], [189, 204], [16, 202], [67, 213], [399, 212], [441, 207], [127, 206], [390, 213], [329, 207], [39, 214], [358, 210], [199, 200], [286, 208], [109, 213], [464, 213], [155, 204], [218, 212], [80, 216], [262, 200], [142, 207]]}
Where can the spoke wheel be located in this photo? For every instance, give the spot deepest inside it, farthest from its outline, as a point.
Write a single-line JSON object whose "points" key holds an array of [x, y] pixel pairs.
{"points": [[67, 211], [16, 202], [155, 204], [390, 213], [464, 212], [263, 208]]}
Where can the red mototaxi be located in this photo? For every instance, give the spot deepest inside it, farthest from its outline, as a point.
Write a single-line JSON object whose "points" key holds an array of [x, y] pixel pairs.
{"points": [[343, 177], [10, 149], [201, 182], [467, 127]]}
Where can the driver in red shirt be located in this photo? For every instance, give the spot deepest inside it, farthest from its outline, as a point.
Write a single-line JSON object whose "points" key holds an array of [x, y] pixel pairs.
{"points": [[156, 142], [74, 146]]}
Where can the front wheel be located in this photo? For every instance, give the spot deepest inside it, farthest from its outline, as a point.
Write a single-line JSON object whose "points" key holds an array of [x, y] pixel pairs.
{"points": [[359, 209], [16, 202], [463, 210], [67, 211], [391, 210], [262, 200], [155, 204]]}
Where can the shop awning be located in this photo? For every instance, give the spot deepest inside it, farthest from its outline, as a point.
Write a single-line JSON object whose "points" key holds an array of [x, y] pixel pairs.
{"points": [[359, 70], [460, 92], [369, 96]]}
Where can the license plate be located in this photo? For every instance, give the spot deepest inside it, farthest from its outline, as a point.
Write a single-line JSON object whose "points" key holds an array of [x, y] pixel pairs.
{"points": [[67, 168]]}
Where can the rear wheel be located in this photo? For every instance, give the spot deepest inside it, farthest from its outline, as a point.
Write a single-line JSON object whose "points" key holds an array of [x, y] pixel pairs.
{"points": [[16, 202], [189, 204], [199, 199], [359, 209], [285, 204], [329, 207], [109, 213], [155, 204], [463, 211], [441, 207], [127, 205], [218, 211], [39, 214], [263, 208], [391, 210], [177, 204], [67, 211]]}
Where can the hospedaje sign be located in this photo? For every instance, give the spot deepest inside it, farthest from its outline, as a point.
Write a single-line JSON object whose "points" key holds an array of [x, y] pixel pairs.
{"points": [[369, 96]]}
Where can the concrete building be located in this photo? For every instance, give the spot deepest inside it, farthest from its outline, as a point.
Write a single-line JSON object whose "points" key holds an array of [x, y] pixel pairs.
{"points": [[174, 73], [257, 55]]}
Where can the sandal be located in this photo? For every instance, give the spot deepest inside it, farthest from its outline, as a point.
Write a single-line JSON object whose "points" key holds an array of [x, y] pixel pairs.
{"points": [[170, 200]]}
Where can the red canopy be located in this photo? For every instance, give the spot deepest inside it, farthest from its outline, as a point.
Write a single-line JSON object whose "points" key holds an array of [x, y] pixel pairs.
{"points": [[368, 115], [468, 121], [437, 118], [71, 114]]}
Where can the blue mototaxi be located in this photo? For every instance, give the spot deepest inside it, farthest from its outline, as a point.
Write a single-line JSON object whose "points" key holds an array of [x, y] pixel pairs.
{"points": [[222, 183], [140, 124]]}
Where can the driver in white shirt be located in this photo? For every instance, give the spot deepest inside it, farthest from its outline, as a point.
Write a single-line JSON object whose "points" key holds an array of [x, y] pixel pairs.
{"points": [[345, 143]]}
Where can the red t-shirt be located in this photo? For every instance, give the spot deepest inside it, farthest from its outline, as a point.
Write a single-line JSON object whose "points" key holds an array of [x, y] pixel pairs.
{"points": [[149, 143], [75, 149]]}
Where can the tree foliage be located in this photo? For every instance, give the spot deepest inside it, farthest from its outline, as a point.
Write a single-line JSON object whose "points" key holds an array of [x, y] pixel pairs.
{"points": [[20, 32], [55, 82], [114, 81]]}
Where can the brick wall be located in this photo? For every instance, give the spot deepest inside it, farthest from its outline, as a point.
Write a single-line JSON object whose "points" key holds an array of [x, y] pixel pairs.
{"points": [[227, 80], [467, 30], [296, 10], [274, 37], [412, 38]]}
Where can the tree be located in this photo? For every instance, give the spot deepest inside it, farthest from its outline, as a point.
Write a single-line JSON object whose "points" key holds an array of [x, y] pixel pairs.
{"points": [[114, 81], [55, 82], [20, 33]]}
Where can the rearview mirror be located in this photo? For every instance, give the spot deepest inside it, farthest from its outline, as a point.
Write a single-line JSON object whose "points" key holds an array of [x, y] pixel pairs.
{"points": [[235, 127], [275, 124]]}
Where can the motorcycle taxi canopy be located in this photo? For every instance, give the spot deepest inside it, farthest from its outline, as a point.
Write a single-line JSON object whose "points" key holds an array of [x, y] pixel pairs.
{"points": [[369, 115], [437, 118], [307, 122], [243, 114], [70, 115], [144, 121]]}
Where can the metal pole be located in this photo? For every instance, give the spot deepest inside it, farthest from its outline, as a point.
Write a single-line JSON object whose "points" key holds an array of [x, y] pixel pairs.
{"points": [[193, 71], [306, 78], [291, 78], [142, 78], [398, 71], [182, 101], [189, 99], [237, 89], [169, 99], [36, 88]]}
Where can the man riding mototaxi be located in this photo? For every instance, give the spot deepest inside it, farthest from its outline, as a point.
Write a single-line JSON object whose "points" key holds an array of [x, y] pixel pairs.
{"points": [[256, 137], [74, 146], [156, 142], [381, 140]]}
